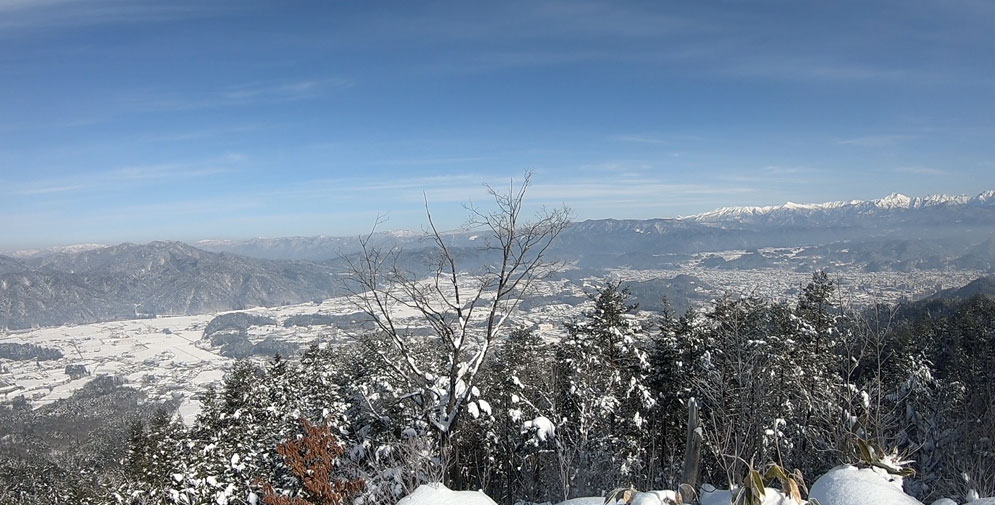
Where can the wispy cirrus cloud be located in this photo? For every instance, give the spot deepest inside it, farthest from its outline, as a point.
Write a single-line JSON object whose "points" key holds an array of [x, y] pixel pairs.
{"points": [[24, 15], [283, 91], [251, 93], [125, 177], [430, 160], [641, 139], [655, 138], [877, 140], [787, 68], [916, 170], [48, 187], [787, 170], [634, 190], [204, 133]]}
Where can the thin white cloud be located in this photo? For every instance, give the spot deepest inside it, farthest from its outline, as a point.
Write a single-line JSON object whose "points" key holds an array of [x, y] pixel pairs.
{"points": [[21, 15], [123, 177], [877, 140], [654, 138], [183, 136], [787, 170], [283, 91], [619, 167], [641, 139], [49, 188], [921, 171], [237, 95], [787, 68], [465, 187], [431, 160]]}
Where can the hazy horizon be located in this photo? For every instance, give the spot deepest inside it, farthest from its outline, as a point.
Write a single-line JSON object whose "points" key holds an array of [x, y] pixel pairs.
{"points": [[384, 226], [141, 121]]}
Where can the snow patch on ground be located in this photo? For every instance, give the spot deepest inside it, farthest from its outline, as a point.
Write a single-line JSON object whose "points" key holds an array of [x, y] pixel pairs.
{"points": [[724, 497], [849, 485], [587, 500], [438, 494]]}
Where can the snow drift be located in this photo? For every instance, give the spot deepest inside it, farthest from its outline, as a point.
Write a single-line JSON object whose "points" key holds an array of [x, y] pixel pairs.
{"points": [[438, 494]]}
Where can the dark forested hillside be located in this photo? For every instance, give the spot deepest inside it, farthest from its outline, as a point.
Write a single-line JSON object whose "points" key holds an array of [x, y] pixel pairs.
{"points": [[71, 450], [129, 281]]}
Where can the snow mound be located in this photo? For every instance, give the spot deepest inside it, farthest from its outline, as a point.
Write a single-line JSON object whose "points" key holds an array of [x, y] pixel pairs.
{"points": [[640, 498], [587, 500], [438, 494], [848, 485], [654, 498], [724, 497]]}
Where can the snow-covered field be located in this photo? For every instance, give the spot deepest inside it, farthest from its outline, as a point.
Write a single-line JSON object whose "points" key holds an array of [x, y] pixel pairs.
{"points": [[164, 357], [160, 356], [167, 358]]}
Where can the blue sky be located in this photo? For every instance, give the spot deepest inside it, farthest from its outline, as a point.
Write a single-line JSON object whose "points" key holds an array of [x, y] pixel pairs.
{"points": [[171, 120]]}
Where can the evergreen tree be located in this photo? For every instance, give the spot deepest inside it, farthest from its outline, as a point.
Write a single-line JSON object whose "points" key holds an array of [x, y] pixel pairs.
{"points": [[675, 361], [603, 396]]}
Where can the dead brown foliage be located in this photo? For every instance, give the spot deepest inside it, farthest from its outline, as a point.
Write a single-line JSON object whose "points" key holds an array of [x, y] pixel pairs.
{"points": [[312, 459]]}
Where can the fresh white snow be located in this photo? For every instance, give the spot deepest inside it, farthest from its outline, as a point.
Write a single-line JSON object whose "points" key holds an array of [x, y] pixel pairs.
{"points": [[890, 202], [843, 485], [438, 494], [545, 429], [586, 500], [724, 497], [849, 485]]}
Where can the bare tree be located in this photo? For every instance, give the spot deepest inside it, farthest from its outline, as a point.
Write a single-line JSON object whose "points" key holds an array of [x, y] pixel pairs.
{"points": [[466, 311]]}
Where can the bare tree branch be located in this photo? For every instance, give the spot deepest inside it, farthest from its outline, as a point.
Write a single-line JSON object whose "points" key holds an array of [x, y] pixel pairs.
{"points": [[466, 311]]}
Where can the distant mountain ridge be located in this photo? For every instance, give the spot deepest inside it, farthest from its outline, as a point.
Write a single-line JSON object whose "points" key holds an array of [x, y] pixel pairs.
{"points": [[723, 228], [892, 202], [32, 253], [130, 280]]}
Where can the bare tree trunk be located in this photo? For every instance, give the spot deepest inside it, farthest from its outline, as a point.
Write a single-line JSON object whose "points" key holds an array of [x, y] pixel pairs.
{"points": [[692, 455]]}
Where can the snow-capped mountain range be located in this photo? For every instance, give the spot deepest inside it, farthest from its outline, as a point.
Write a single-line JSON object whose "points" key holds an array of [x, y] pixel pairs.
{"points": [[894, 201], [895, 215], [47, 251]]}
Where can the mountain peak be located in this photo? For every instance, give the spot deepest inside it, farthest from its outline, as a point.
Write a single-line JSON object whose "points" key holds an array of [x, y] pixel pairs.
{"points": [[894, 200]]}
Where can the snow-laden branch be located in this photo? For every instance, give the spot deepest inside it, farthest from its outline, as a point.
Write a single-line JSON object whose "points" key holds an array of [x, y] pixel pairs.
{"points": [[466, 312]]}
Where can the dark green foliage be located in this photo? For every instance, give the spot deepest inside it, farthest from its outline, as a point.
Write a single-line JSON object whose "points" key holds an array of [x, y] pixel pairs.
{"points": [[500, 454], [23, 352], [320, 319], [70, 451], [235, 344], [231, 448], [238, 321], [602, 397], [766, 378], [675, 361], [943, 398]]}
